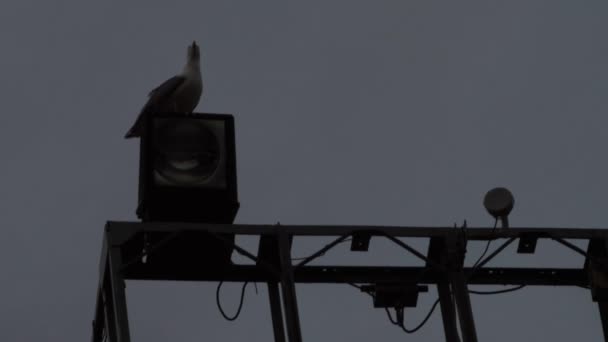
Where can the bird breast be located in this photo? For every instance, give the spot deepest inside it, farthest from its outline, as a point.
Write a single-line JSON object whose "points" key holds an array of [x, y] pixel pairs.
{"points": [[188, 94]]}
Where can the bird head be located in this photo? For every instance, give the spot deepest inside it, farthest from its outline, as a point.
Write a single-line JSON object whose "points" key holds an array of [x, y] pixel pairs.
{"points": [[194, 54]]}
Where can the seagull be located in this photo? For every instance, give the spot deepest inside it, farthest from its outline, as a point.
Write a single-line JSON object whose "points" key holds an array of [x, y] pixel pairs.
{"points": [[179, 94]]}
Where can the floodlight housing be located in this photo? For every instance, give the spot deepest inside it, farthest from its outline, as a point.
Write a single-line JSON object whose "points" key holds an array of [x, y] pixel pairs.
{"points": [[499, 202], [188, 169]]}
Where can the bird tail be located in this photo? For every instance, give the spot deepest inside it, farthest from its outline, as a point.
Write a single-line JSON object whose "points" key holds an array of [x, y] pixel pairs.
{"points": [[136, 130]]}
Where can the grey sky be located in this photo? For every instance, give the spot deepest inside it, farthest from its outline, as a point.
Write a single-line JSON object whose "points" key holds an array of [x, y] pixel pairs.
{"points": [[347, 112]]}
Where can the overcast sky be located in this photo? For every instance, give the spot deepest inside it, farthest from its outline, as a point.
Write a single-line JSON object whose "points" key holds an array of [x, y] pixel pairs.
{"points": [[347, 112]]}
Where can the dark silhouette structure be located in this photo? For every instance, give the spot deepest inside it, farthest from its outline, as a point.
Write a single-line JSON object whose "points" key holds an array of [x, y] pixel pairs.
{"points": [[175, 255], [188, 201]]}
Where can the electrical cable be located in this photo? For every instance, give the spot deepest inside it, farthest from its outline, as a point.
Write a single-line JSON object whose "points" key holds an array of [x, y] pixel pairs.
{"points": [[219, 305], [390, 317], [420, 325], [474, 268], [476, 264], [518, 287]]}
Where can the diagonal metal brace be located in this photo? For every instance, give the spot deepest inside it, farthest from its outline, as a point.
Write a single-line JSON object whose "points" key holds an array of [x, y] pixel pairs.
{"points": [[322, 251], [413, 251], [495, 253]]}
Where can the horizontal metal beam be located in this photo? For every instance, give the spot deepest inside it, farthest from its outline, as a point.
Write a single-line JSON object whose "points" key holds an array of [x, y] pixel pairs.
{"points": [[485, 276], [371, 274], [128, 228]]}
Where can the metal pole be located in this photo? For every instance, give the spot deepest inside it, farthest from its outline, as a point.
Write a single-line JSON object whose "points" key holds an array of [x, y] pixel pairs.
{"points": [[119, 300], [99, 322], [447, 312], [598, 280], [439, 253], [109, 326], [275, 310], [603, 306], [463, 303], [455, 251], [288, 288]]}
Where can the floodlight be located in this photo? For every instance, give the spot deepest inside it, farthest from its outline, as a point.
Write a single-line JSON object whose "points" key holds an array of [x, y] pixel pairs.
{"points": [[188, 169], [188, 153], [499, 203]]}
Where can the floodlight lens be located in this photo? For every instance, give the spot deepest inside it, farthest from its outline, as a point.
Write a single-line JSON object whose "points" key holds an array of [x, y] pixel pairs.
{"points": [[188, 153], [499, 202]]}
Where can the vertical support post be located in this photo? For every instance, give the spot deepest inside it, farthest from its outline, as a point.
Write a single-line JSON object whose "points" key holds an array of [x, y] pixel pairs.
{"points": [[456, 246], [438, 253], [99, 322], [597, 271], [119, 299], [603, 306], [275, 311], [288, 288], [463, 303], [447, 311], [109, 325]]}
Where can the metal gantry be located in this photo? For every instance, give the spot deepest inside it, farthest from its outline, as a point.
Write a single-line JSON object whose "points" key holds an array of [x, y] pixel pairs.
{"points": [[172, 251]]}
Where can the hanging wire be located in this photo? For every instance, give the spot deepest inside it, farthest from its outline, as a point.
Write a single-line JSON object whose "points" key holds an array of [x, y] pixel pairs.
{"points": [[219, 305], [497, 291], [402, 325], [474, 268]]}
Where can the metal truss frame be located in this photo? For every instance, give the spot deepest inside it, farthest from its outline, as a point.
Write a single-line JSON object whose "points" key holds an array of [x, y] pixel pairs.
{"points": [[125, 246]]}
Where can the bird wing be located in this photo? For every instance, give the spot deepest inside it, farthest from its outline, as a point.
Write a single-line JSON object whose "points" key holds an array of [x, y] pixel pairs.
{"points": [[168, 87], [159, 99]]}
